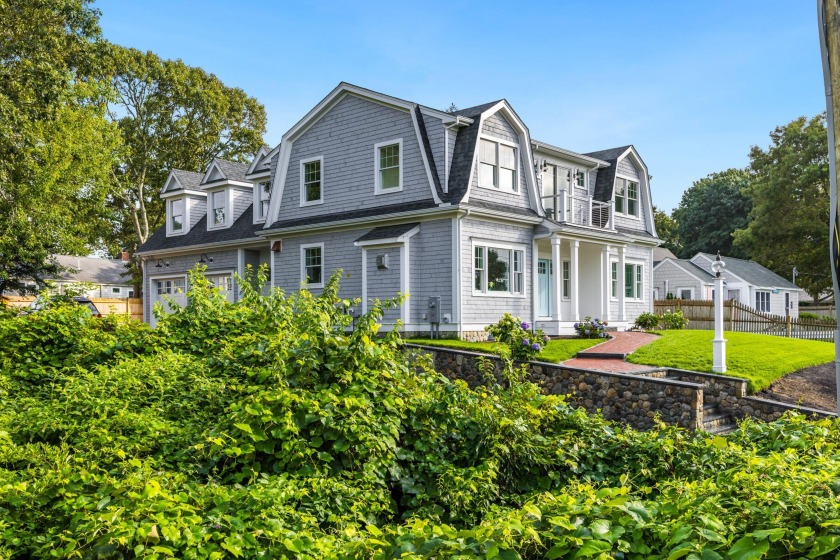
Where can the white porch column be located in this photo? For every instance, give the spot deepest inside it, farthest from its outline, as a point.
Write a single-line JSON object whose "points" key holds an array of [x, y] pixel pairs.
{"points": [[622, 314], [573, 280], [606, 282], [556, 278], [364, 280]]}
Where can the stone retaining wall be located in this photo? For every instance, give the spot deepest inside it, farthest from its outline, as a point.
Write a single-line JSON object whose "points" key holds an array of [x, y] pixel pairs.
{"points": [[632, 399], [718, 390], [768, 410]]}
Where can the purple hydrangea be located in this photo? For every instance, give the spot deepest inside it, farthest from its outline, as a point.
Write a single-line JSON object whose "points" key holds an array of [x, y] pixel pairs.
{"points": [[535, 346], [576, 325], [526, 342], [525, 326], [602, 335], [546, 339]]}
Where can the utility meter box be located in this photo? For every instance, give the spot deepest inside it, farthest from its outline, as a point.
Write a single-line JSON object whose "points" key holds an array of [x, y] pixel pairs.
{"points": [[434, 309]]}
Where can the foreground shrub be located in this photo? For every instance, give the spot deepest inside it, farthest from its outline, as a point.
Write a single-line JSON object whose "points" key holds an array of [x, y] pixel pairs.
{"points": [[591, 328], [523, 342], [674, 320], [268, 428], [647, 321]]}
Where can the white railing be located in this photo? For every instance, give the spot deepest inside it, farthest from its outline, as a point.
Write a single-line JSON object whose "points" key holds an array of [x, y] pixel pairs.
{"points": [[581, 210]]}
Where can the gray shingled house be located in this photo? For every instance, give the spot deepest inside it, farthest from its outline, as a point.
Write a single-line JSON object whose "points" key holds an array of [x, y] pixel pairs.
{"points": [[463, 211], [745, 281]]}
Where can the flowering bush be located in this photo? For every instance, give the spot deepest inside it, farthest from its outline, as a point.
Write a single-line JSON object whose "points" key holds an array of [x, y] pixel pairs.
{"points": [[674, 320], [647, 321], [591, 328], [524, 343]]}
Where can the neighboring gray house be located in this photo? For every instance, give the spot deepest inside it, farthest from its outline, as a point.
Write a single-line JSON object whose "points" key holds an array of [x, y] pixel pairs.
{"points": [[745, 281], [100, 278], [463, 206]]}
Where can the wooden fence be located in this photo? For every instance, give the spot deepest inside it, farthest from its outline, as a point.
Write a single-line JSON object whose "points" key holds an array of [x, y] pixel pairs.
{"points": [[738, 317], [106, 306]]}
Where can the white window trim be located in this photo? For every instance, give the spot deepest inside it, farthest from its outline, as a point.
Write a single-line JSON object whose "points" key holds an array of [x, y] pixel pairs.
{"points": [[690, 291], [617, 280], [185, 218], [565, 296], [303, 249], [377, 190], [625, 214], [498, 245], [258, 217], [634, 263], [228, 209], [769, 302], [303, 201], [518, 154]]}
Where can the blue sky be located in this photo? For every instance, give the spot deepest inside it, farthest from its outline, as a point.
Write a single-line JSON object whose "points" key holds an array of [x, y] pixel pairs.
{"points": [[691, 84]]}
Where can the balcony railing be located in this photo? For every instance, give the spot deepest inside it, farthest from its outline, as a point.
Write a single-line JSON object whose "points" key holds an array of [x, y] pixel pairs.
{"points": [[580, 210]]}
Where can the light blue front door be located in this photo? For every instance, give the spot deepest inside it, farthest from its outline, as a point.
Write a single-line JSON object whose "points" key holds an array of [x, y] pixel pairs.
{"points": [[544, 273]]}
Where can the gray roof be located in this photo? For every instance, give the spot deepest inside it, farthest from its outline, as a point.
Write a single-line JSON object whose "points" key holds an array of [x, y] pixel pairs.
{"points": [[93, 270], [661, 253], [605, 179], [376, 211], [388, 232], [189, 180], [753, 273], [698, 270], [242, 229], [501, 208], [462, 155], [232, 170]]}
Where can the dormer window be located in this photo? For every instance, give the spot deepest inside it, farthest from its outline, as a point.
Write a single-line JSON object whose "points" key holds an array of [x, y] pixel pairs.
{"points": [[497, 166], [176, 215], [219, 207], [264, 190], [626, 197]]}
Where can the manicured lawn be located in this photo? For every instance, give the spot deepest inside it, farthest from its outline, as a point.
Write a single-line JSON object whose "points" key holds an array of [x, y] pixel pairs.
{"points": [[558, 350], [759, 358]]}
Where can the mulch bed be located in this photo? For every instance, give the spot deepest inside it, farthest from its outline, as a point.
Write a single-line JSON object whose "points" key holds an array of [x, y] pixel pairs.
{"points": [[812, 387]]}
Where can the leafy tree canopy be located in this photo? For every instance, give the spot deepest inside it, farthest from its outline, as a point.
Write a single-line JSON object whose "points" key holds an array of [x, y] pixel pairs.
{"points": [[789, 188], [171, 116], [56, 145], [666, 229], [710, 211]]}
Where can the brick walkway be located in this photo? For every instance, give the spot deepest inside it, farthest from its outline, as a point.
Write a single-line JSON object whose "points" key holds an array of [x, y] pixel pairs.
{"points": [[610, 355]]}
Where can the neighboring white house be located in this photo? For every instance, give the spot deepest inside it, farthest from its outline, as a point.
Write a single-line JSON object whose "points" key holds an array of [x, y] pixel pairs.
{"points": [[745, 281]]}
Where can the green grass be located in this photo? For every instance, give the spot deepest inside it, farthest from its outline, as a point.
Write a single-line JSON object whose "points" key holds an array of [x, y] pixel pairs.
{"points": [[759, 358], [558, 350]]}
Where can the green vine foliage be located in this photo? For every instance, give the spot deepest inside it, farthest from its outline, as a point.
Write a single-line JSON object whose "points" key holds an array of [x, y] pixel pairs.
{"points": [[268, 428]]}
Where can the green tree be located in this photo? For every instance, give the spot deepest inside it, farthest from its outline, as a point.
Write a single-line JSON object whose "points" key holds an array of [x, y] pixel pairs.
{"points": [[56, 144], [710, 211], [789, 188], [171, 115], [666, 229]]}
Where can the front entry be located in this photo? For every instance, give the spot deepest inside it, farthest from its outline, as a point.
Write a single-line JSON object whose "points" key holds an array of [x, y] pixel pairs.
{"points": [[544, 274]]}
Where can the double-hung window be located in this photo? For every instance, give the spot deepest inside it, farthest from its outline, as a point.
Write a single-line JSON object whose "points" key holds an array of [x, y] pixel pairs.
{"points": [[626, 197], [497, 167], [388, 166], [614, 279], [176, 215], [311, 176], [762, 302], [498, 270], [567, 280], [219, 199], [264, 196], [312, 265], [633, 275]]}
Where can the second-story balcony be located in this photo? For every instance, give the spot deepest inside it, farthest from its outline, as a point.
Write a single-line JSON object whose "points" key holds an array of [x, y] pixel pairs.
{"points": [[579, 210]]}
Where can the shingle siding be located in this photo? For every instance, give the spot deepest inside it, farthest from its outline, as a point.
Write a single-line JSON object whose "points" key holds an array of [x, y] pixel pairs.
{"points": [[676, 278], [345, 137], [497, 126], [241, 201], [431, 268], [384, 283], [486, 309], [640, 224], [198, 208], [636, 255], [339, 253]]}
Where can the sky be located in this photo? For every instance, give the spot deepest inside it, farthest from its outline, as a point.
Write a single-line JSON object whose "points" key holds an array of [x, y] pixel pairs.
{"points": [[692, 84]]}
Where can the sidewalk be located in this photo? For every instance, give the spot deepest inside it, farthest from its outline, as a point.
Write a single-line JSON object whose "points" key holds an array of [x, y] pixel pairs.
{"points": [[610, 355]]}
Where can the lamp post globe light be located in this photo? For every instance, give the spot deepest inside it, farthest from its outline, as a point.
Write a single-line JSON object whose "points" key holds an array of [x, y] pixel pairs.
{"points": [[718, 342]]}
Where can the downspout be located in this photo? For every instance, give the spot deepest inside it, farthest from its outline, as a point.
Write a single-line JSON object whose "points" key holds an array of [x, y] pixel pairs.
{"points": [[460, 280]]}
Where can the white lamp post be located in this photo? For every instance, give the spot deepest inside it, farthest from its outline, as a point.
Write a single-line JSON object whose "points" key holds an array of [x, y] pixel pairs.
{"points": [[718, 343]]}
